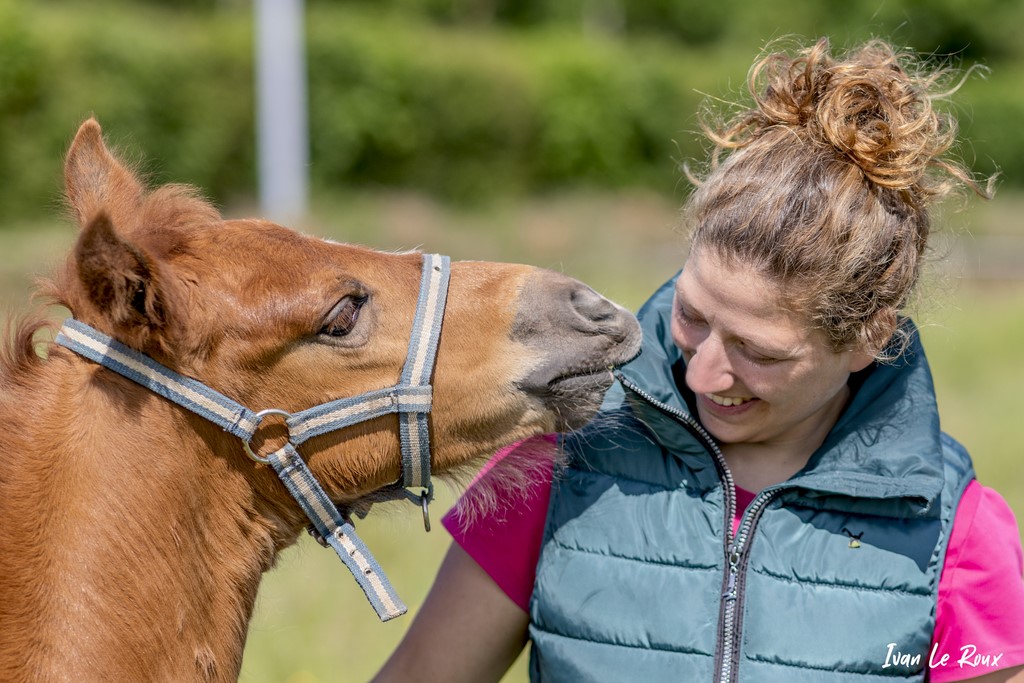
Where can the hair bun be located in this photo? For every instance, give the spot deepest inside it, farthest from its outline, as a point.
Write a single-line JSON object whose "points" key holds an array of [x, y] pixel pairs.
{"points": [[867, 105]]}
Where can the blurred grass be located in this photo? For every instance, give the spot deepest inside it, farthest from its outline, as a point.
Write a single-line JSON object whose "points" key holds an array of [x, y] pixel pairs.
{"points": [[312, 623]]}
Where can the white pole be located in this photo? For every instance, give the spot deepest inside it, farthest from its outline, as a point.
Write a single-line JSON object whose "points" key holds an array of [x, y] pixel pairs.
{"points": [[281, 110]]}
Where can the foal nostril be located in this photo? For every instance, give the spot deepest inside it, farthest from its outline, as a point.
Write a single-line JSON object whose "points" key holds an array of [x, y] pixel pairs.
{"points": [[592, 306], [583, 321]]}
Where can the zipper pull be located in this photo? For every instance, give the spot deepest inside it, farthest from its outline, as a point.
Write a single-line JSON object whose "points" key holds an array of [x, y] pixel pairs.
{"points": [[734, 563]]}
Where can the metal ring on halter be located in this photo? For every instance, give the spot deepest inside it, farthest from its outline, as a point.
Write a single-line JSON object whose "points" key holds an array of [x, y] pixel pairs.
{"points": [[259, 418], [425, 498], [426, 511]]}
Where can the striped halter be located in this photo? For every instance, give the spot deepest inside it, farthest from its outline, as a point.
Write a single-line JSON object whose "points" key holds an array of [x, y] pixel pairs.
{"points": [[411, 399]]}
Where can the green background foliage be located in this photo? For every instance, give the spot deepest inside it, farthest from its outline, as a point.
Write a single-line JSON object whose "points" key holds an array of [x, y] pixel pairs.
{"points": [[468, 100]]}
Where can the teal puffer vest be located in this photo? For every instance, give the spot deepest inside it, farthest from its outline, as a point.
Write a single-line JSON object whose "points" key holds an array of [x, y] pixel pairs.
{"points": [[832, 576]]}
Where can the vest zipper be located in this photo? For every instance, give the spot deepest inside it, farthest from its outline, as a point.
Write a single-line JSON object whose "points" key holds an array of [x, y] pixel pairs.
{"points": [[727, 648], [709, 443], [731, 617]]}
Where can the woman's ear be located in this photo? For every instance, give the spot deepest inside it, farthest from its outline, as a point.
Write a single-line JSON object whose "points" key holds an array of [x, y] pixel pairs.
{"points": [[860, 360], [874, 337]]}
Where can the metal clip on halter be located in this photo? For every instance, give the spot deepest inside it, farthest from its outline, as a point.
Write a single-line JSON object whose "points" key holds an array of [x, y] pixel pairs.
{"points": [[425, 498], [425, 502]]}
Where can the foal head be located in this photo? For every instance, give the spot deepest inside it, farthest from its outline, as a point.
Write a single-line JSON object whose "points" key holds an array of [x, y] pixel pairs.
{"points": [[276, 319]]}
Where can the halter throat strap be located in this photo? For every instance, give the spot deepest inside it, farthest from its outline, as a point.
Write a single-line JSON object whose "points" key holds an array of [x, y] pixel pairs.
{"points": [[411, 399]]}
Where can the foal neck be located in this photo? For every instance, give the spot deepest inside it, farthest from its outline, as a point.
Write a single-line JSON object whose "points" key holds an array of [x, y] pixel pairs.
{"points": [[147, 537]]}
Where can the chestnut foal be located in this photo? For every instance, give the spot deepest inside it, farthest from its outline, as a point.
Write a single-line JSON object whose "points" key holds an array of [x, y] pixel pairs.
{"points": [[152, 468]]}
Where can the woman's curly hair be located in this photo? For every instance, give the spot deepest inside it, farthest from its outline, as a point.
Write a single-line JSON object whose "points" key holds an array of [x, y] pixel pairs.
{"points": [[824, 184]]}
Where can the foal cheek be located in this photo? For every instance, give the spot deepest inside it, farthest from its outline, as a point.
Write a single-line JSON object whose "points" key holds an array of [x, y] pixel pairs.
{"points": [[476, 355], [477, 404], [477, 407]]}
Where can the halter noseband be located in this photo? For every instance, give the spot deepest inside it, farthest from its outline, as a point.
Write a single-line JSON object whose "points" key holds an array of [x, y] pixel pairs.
{"points": [[411, 399]]}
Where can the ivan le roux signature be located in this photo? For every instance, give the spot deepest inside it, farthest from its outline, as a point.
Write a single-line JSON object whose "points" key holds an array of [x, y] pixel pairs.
{"points": [[969, 657]]}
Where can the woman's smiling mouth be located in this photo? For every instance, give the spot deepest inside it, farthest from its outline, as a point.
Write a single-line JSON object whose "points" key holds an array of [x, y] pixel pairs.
{"points": [[728, 401]]}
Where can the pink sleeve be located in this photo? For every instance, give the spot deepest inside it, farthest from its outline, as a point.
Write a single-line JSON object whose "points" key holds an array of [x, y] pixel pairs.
{"points": [[507, 544], [979, 622]]}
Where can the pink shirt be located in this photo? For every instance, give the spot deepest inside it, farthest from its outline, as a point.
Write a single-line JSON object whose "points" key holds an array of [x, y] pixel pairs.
{"points": [[980, 612]]}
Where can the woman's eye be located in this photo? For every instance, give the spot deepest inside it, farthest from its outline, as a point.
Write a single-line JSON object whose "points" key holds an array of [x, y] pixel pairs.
{"points": [[759, 358], [344, 316], [687, 319]]}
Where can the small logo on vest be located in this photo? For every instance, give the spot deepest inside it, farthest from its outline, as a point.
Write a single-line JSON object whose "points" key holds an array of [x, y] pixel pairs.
{"points": [[854, 538], [969, 658]]}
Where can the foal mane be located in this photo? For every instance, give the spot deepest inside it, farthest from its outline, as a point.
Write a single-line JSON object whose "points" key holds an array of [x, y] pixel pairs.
{"points": [[19, 357]]}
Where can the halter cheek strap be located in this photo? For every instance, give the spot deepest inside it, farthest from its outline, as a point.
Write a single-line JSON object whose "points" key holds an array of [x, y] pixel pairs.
{"points": [[411, 399]]}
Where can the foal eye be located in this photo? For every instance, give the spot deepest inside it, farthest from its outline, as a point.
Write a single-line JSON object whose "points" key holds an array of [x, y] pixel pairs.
{"points": [[343, 316]]}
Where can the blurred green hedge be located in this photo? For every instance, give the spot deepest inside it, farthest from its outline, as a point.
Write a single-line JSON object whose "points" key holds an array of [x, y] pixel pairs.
{"points": [[172, 91], [462, 110]]}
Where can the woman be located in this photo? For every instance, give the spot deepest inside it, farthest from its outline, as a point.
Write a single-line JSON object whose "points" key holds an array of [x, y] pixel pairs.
{"points": [[766, 494]]}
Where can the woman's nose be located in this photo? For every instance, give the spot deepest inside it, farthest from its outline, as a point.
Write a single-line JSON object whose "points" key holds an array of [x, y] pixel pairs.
{"points": [[708, 370]]}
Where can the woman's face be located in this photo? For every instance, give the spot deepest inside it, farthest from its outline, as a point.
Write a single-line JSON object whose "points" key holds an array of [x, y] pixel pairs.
{"points": [[761, 373]]}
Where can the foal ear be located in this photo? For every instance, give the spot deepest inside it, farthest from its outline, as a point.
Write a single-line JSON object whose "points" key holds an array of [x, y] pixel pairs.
{"points": [[95, 181], [123, 284]]}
